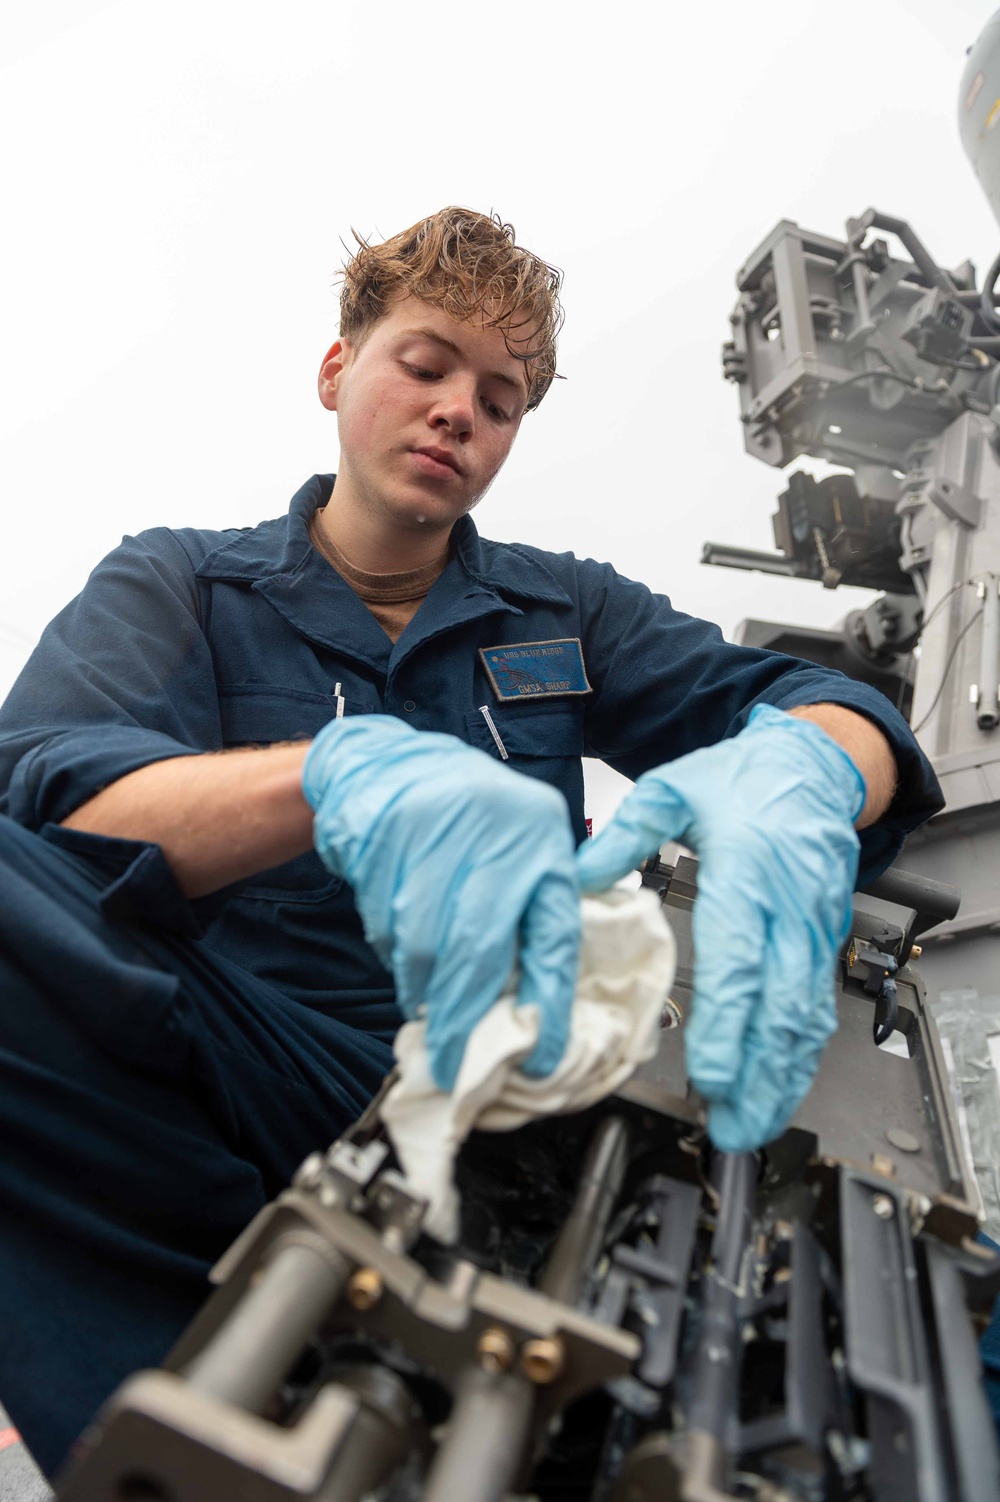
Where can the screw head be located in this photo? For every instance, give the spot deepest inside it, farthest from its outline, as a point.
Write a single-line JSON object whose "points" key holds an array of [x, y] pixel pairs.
{"points": [[543, 1359], [495, 1350], [365, 1289], [883, 1206]]}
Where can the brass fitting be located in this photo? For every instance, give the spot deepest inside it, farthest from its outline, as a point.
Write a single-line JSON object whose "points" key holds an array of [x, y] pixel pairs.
{"points": [[365, 1289], [495, 1350], [543, 1359]]}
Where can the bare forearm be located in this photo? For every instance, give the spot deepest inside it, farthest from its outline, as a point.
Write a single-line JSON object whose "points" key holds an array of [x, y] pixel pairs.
{"points": [[866, 746], [218, 818]]}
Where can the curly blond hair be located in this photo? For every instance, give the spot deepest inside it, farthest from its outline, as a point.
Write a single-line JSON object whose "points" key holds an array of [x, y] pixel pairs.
{"points": [[470, 266]]}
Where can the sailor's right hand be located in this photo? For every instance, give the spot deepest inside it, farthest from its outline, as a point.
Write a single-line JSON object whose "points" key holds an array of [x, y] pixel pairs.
{"points": [[460, 868]]}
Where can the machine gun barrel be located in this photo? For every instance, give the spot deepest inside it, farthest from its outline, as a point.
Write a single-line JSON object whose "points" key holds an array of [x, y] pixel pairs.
{"points": [[484, 1446], [266, 1333]]}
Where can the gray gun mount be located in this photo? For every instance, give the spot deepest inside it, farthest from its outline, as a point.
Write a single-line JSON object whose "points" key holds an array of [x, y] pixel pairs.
{"points": [[629, 1316], [887, 365]]}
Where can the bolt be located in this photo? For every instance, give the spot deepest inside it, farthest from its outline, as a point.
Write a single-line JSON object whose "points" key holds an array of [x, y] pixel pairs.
{"points": [[883, 1164], [883, 1206], [543, 1359], [916, 951], [365, 1289], [495, 1350]]}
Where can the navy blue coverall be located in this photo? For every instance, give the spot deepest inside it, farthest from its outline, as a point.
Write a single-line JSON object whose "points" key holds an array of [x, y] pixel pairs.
{"points": [[167, 1064]]}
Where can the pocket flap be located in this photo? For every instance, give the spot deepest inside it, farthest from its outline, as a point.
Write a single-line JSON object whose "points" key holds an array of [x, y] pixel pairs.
{"points": [[259, 714]]}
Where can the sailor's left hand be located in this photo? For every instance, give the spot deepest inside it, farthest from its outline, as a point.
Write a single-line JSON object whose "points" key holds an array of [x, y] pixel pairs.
{"points": [[770, 814]]}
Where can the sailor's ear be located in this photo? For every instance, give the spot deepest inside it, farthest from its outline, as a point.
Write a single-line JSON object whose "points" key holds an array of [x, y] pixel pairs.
{"points": [[335, 362]]}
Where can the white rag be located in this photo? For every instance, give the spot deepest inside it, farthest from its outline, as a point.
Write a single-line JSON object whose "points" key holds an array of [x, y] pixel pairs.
{"points": [[627, 959]]}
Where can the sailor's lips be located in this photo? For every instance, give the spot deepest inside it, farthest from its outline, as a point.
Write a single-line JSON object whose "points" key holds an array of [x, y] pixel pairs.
{"points": [[436, 462]]}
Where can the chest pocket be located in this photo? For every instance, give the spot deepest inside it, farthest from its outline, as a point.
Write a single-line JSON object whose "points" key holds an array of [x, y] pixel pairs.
{"points": [[530, 732], [260, 714]]}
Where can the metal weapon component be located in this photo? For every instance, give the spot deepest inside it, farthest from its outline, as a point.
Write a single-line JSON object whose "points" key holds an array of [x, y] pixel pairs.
{"points": [[627, 1317], [268, 1331], [583, 1231], [481, 1455], [887, 1353], [861, 351], [719, 1356]]}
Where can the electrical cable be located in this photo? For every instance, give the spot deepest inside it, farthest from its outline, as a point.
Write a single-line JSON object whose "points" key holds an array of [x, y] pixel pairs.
{"points": [[947, 669], [886, 1003], [962, 583]]}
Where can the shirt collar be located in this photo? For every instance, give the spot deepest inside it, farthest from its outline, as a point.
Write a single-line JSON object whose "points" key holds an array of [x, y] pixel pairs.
{"points": [[282, 547]]}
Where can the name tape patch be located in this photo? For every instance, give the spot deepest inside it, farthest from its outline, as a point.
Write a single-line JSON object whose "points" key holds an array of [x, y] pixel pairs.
{"points": [[536, 669]]}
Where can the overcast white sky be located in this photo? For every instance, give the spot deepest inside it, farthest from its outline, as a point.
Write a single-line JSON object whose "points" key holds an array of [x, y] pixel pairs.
{"points": [[178, 179]]}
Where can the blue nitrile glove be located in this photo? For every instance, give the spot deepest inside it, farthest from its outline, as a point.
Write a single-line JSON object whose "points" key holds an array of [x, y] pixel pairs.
{"points": [[770, 814], [460, 868]]}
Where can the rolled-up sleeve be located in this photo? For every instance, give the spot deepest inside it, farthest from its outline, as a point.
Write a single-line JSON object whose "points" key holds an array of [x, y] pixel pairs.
{"points": [[667, 683], [122, 678]]}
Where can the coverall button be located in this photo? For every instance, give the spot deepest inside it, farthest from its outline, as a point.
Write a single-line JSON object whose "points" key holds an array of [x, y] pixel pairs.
{"points": [[409, 706]]}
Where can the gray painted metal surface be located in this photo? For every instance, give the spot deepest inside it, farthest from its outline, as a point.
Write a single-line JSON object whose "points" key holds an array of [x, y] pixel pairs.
{"points": [[886, 364]]}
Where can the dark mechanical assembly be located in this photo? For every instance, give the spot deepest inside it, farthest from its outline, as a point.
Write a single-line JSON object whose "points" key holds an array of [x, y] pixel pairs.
{"points": [[629, 1315]]}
